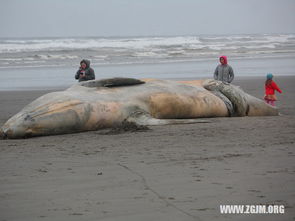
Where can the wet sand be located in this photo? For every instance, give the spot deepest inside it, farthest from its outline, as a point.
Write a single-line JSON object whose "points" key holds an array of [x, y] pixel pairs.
{"points": [[176, 172]]}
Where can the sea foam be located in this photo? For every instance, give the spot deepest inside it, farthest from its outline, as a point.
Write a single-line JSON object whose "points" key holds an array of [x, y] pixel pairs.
{"points": [[117, 50]]}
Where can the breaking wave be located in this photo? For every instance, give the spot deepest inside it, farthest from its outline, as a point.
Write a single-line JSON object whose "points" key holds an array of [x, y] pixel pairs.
{"points": [[141, 49]]}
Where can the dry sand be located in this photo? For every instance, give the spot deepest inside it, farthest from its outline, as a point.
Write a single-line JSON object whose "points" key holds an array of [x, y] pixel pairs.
{"points": [[177, 172]]}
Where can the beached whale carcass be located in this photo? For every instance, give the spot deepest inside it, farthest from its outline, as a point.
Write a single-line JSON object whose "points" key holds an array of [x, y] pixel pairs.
{"points": [[107, 103]]}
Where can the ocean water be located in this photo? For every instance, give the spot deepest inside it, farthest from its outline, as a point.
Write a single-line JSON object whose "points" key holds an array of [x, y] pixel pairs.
{"points": [[52, 62]]}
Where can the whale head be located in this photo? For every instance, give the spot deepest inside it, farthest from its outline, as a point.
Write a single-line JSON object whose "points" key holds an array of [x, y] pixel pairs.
{"points": [[50, 114]]}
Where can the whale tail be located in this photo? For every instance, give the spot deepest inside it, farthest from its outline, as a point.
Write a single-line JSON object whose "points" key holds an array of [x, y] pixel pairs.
{"points": [[238, 102]]}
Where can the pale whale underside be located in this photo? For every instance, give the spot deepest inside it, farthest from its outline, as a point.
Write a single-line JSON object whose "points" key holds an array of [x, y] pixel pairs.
{"points": [[98, 104]]}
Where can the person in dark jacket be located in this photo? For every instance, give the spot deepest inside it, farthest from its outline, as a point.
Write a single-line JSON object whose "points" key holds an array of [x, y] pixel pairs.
{"points": [[85, 72], [223, 71]]}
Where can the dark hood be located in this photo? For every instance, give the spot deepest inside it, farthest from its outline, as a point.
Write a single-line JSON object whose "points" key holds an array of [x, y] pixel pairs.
{"points": [[87, 62]]}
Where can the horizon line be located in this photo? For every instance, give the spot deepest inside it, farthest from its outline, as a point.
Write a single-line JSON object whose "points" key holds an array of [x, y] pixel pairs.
{"points": [[142, 36]]}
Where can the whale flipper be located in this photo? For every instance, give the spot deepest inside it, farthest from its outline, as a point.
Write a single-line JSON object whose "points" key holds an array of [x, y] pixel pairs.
{"points": [[145, 119], [112, 82]]}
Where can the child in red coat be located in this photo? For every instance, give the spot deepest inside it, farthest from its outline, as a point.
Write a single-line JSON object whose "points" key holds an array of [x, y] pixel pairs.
{"points": [[270, 88]]}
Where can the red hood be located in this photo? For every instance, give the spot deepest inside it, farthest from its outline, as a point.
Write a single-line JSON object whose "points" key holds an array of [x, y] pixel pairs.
{"points": [[225, 59]]}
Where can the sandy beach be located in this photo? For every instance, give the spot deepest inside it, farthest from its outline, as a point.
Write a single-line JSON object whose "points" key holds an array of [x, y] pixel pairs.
{"points": [[176, 172]]}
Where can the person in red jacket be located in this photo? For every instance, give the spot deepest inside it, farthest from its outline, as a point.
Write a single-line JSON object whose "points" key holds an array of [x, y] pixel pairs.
{"points": [[270, 88]]}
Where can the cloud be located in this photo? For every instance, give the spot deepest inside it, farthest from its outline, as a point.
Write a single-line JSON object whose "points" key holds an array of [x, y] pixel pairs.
{"points": [[34, 18]]}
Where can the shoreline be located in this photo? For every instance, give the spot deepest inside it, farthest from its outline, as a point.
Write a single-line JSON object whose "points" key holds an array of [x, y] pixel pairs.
{"points": [[50, 78], [238, 79]]}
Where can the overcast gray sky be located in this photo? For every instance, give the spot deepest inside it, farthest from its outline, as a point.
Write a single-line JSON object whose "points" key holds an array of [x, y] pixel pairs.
{"points": [[62, 18]]}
